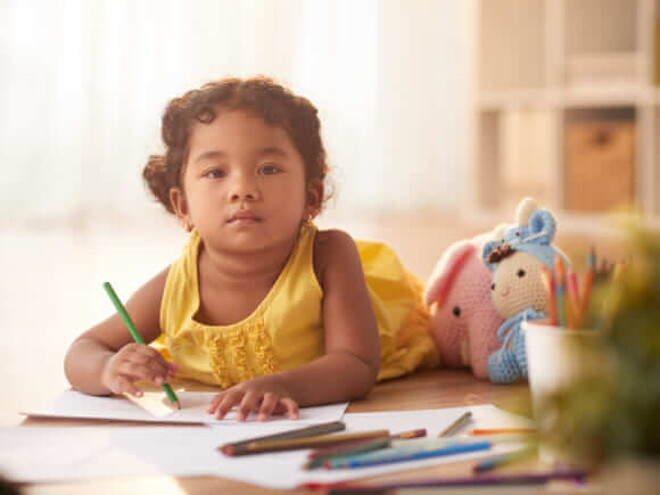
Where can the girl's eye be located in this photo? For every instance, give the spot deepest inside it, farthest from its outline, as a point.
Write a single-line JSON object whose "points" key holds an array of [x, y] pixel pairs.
{"points": [[492, 286], [215, 173], [269, 169], [521, 273]]}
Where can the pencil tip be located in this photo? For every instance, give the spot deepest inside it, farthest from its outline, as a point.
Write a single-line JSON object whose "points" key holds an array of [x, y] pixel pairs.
{"points": [[177, 404]]}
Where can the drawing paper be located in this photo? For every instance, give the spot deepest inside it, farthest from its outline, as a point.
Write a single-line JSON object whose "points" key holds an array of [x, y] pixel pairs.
{"points": [[40, 454], [153, 407]]}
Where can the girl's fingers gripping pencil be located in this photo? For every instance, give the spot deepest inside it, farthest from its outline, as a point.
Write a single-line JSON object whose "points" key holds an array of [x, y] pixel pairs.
{"points": [[136, 335]]}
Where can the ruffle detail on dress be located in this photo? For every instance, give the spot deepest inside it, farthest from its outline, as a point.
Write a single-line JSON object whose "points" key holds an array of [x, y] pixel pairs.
{"points": [[234, 354], [218, 364], [263, 349]]}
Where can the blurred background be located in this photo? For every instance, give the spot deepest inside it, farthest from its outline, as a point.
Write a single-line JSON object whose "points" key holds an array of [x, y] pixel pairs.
{"points": [[438, 116], [83, 86]]}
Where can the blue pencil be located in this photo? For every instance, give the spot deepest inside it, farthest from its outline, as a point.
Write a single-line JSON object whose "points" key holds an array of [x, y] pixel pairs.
{"points": [[493, 462], [403, 455]]}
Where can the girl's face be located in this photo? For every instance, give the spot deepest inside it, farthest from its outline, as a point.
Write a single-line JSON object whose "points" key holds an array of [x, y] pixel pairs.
{"points": [[244, 184]]}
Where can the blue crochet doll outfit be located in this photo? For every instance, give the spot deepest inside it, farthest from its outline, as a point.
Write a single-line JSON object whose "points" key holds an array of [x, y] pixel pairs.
{"points": [[509, 362]]}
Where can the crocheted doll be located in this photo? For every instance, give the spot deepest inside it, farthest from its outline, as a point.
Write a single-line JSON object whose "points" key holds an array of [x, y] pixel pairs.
{"points": [[517, 288], [464, 320]]}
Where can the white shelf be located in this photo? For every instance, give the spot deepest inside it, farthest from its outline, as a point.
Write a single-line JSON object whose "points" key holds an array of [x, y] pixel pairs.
{"points": [[538, 66]]}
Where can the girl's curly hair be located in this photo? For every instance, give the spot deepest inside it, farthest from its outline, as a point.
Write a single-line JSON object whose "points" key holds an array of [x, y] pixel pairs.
{"points": [[273, 102]]}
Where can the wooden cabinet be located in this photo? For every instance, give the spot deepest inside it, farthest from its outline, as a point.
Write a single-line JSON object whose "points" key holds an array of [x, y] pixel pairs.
{"points": [[563, 106]]}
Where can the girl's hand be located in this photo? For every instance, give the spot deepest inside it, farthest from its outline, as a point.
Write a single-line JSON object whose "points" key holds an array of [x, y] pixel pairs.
{"points": [[135, 362], [262, 396]]}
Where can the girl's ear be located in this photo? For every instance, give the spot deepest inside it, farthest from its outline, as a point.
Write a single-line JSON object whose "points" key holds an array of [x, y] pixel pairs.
{"points": [[180, 207], [314, 197]]}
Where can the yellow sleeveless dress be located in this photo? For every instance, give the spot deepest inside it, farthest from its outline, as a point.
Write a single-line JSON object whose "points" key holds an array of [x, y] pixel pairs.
{"points": [[286, 329]]}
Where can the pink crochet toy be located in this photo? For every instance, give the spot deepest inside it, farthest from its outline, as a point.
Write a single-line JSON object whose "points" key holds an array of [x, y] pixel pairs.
{"points": [[464, 321]]}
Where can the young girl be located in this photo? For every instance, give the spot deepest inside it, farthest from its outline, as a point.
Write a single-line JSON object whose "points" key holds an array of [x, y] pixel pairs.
{"points": [[275, 312]]}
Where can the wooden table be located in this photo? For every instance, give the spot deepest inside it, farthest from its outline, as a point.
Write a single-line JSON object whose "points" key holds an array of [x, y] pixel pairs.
{"points": [[424, 390]]}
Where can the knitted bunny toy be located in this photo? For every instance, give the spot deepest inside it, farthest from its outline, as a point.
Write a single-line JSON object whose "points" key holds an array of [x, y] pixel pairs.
{"points": [[517, 288], [464, 320]]}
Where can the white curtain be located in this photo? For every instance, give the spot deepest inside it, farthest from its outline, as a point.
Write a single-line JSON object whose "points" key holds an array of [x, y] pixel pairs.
{"points": [[83, 84]]}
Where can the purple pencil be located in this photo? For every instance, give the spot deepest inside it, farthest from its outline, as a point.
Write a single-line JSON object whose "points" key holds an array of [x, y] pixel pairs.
{"points": [[513, 479]]}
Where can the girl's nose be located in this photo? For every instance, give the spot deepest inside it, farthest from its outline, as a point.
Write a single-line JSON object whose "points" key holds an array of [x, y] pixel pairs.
{"points": [[244, 188]]}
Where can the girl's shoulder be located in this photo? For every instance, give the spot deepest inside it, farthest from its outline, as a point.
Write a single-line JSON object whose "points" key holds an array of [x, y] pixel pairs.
{"points": [[333, 248]]}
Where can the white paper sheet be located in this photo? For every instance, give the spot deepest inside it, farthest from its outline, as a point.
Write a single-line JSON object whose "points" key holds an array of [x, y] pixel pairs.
{"points": [[37, 454], [153, 408]]}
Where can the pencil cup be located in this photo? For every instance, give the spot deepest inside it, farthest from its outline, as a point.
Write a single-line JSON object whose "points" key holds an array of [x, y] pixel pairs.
{"points": [[554, 361]]}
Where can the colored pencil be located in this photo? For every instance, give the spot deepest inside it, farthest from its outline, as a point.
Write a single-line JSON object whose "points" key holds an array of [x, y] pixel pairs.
{"points": [[588, 283], [335, 449], [560, 291], [457, 425], [444, 441], [136, 335], [549, 280], [307, 431], [405, 455], [301, 443], [496, 431], [404, 435], [319, 456], [574, 300], [344, 488], [499, 460], [347, 450]]}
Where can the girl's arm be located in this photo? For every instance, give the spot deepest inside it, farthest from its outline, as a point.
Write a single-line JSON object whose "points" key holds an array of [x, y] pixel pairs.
{"points": [[350, 365], [105, 360]]}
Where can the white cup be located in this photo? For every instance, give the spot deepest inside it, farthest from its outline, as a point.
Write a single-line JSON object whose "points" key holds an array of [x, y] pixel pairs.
{"points": [[554, 361]]}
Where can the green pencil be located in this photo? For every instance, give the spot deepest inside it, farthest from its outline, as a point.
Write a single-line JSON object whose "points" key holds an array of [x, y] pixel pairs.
{"points": [[136, 335]]}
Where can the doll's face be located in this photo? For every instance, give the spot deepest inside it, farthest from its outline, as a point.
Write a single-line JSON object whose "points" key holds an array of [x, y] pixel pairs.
{"points": [[517, 285]]}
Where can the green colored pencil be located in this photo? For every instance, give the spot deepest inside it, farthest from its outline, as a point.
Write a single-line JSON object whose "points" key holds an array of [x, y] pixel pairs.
{"points": [[136, 335]]}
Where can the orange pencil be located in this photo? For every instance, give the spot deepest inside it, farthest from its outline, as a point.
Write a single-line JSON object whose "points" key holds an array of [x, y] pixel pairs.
{"points": [[496, 431], [549, 281], [573, 300]]}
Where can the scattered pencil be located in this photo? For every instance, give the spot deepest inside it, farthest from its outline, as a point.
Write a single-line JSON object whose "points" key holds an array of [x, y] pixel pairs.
{"points": [[445, 441], [308, 431], [404, 455], [499, 460], [421, 432], [496, 431], [319, 456], [457, 425], [279, 445], [344, 488]]}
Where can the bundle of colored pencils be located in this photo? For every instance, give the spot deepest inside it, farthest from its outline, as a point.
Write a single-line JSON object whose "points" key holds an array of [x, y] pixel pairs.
{"points": [[568, 299]]}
